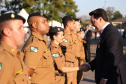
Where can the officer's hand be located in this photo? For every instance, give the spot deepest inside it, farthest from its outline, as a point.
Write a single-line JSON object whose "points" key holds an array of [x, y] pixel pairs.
{"points": [[85, 41], [85, 67]]}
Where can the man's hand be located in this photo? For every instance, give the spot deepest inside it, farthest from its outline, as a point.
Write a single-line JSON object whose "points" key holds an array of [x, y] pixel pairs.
{"points": [[103, 81], [84, 67], [84, 41]]}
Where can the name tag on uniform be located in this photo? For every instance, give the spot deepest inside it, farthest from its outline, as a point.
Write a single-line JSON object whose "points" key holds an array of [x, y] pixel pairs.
{"points": [[19, 72]]}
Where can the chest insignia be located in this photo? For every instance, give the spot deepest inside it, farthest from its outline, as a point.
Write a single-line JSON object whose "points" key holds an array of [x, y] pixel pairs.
{"points": [[0, 66], [55, 55], [34, 49]]}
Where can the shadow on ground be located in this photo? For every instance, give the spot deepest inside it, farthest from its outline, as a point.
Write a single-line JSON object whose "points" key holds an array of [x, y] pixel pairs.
{"points": [[88, 80]]}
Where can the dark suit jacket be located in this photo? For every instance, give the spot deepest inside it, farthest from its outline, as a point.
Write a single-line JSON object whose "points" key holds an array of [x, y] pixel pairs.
{"points": [[88, 36], [109, 62]]}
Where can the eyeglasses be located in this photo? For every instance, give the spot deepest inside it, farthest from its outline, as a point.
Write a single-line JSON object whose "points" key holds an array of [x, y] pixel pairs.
{"points": [[92, 22]]}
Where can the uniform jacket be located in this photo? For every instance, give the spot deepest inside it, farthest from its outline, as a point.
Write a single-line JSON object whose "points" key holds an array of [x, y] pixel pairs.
{"points": [[38, 57], [88, 36], [109, 62], [12, 68]]}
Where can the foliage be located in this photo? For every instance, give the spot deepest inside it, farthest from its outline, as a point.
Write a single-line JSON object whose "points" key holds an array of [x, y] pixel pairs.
{"points": [[117, 15], [54, 9], [110, 11], [112, 14]]}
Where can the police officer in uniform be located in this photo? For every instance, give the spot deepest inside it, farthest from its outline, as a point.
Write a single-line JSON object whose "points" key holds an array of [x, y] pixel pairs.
{"points": [[38, 58], [68, 45], [12, 68], [81, 60], [77, 47], [56, 35]]}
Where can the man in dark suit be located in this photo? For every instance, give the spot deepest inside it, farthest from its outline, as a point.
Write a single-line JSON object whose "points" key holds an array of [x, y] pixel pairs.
{"points": [[109, 63], [87, 42]]}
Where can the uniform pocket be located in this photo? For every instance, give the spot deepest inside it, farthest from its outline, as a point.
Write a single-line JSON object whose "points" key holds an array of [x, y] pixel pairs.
{"points": [[47, 59], [21, 79]]}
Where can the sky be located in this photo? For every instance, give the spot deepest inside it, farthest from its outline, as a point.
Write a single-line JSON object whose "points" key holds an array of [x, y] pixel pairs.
{"points": [[86, 6]]}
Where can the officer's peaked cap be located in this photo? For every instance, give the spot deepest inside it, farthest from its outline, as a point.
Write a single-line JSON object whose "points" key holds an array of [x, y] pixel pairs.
{"points": [[37, 14], [11, 16]]}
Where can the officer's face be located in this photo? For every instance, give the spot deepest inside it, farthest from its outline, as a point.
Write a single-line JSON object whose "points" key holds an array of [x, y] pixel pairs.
{"points": [[77, 26], [72, 25], [81, 34], [59, 38], [42, 25], [17, 32]]}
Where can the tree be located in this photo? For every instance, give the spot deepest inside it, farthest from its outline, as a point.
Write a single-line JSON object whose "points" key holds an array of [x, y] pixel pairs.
{"points": [[110, 12], [54, 9], [117, 15]]}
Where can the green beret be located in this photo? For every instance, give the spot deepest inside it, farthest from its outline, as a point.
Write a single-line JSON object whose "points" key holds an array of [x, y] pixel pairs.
{"points": [[37, 14], [11, 16]]}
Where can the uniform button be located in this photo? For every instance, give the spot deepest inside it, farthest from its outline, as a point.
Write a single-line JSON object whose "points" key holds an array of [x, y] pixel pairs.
{"points": [[25, 74], [23, 80]]}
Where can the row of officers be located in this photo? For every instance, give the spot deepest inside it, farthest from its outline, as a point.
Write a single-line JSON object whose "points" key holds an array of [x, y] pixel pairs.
{"points": [[60, 63]]}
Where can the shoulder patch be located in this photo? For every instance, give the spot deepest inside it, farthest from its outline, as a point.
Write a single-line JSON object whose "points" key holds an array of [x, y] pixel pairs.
{"points": [[55, 55], [0, 66], [34, 49], [64, 40]]}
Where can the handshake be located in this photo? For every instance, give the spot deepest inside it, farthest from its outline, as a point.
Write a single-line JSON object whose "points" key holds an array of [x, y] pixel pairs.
{"points": [[84, 67]]}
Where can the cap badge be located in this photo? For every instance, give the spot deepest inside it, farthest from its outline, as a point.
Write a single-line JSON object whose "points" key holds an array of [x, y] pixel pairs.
{"points": [[41, 14], [12, 15], [58, 29]]}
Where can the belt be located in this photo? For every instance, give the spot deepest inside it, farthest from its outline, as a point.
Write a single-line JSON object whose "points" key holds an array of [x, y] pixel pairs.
{"points": [[78, 58], [81, 59], [59, 74], [69, 61]]}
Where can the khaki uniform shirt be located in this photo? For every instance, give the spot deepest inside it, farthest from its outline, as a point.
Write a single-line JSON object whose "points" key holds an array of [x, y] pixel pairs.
{"points": [[57, 55], [59, 62], [38, 57], [68, 43], [76, 44], [82, 57], [12, 68]]}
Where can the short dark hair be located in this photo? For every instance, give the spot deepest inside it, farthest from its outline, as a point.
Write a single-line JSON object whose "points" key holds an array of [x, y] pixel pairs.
{"points": [[87, 25], [81, 30], [54, 31], [66, 19], [99, 13]]}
